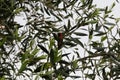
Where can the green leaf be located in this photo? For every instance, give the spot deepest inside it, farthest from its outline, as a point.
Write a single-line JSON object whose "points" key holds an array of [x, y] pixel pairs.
{"points": [[95, 13], [25, 55], [23, 66], [47, 65], [103, 38], [43, 48], [90, 52], [80, 34], [75, 64], [35, 51], [42, 57], [92, 22], [77, 12], [2, 41], [39, 68], [104, 74], [36, 59], [97, 27], [110, 28], [106, 10], [99, 48], [32, 43], [56, 16], [66, 29], [47, 75], [2, 78], [95, 44], [64, 62], [91, 76], [66, 54], [78, 42], [100, 34], [109, 23], [18, 10], [52, 40], [52, 57], [60, 77], [47, 11], [69, 25], [91, 34], [69, 15], [113, 5], [71, 44], [75, 76]]}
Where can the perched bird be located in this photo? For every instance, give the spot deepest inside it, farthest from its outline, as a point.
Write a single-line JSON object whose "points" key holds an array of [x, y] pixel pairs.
{"points": [[60, 40], [59, 37]]}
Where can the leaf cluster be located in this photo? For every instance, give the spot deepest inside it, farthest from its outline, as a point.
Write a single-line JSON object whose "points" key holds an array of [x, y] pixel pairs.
{"points": [[33, 48]]}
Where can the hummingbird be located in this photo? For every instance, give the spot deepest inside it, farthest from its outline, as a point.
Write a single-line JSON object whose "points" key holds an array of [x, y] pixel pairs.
{"points": [[59, 37], [60, 40]]}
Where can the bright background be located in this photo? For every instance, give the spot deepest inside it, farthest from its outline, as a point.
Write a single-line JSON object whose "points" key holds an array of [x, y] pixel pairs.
{"points": [[100, 4]]}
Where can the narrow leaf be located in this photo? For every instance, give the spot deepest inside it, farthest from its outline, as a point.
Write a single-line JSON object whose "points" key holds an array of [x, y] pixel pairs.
{"points": [[23, 66], [69, 25], [71, 44], [109, 23], [65, 54], [46, 10], [64, 62], [80, 34], [103, 38], [43, 48], [100, 34], [90, 34], [78, 42]]}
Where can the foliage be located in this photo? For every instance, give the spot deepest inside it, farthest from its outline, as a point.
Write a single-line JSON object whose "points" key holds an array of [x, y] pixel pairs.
{"points": [[31, 51]]}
